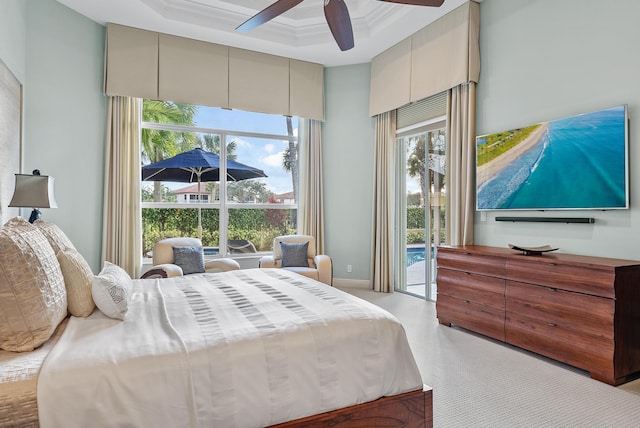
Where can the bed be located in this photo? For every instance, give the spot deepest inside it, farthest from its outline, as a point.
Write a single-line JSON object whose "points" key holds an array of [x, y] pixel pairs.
{"points": [[245, 348], [18, 382]]}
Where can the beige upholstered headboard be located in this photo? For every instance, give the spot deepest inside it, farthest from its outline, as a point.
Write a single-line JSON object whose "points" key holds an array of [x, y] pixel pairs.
{"points": [[10, 138]]}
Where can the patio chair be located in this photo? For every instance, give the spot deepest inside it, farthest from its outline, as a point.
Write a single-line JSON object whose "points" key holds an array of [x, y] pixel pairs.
{"points": [[191, 259], [289, 252], [241, 246]]}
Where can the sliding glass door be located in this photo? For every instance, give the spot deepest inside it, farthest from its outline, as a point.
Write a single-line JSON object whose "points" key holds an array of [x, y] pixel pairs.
{"points": [[420, 209]]}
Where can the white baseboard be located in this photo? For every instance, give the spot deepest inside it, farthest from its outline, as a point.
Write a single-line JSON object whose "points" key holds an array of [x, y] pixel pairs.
{"points": [[352, 283]]}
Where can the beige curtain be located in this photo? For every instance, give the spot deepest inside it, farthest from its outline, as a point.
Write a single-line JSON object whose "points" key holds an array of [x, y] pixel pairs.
{"points": [[310, 204], [405, 73], [382, 268], [121, 222], [147, 64], [460, 198]]}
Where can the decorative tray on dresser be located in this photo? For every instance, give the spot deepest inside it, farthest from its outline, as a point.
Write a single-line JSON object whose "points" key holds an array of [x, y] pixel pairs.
{"points": [[581, 310]]}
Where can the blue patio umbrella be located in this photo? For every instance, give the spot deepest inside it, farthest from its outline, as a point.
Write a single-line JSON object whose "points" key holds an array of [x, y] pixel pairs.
{"points": [[196, 166]]}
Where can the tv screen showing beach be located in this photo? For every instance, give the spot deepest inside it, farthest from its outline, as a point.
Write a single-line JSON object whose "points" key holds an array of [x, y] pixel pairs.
{"points": [[575, 163]]}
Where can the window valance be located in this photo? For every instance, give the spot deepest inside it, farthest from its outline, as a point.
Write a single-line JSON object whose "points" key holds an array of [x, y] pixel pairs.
{"points": [[444, 54], [146, 64]]}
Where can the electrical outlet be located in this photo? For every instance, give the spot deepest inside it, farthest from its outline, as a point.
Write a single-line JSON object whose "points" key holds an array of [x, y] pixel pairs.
{"points": [[349, 268]]}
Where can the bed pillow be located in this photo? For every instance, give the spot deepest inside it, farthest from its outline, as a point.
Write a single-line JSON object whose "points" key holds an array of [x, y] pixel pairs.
{"points": [[111, 290], [77, 280], [33, 299], [56, 237], [294, 255], [190, 259]]}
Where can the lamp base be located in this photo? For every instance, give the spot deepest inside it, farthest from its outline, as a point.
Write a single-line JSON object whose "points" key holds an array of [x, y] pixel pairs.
{"points": [[35, 215]]}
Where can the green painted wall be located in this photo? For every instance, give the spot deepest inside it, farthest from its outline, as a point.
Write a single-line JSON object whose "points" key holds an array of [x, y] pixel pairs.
{"points": [[13, 30], [65, 117], [544, 60], [348, 150]]}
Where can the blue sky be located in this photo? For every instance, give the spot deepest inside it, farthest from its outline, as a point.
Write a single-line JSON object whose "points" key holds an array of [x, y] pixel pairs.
{"points": [[263, 154], [257, 152]]}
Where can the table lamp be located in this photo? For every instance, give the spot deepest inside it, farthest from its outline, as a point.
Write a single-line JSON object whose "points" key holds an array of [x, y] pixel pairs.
{"points": [[33, 191]]}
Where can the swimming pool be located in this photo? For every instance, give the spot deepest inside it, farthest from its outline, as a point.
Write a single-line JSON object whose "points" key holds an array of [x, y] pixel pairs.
{"points": [[210, 251], [414, 255]]}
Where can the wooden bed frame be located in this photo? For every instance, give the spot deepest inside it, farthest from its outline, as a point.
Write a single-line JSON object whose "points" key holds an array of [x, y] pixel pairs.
{"points": [[412, 410]]}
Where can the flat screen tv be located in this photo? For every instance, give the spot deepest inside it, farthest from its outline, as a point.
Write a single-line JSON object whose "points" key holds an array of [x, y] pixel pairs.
{"points": [[577, 163]]}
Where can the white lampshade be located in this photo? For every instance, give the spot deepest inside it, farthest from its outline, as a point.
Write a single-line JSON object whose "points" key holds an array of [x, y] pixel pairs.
{"points": [[33, 191]]}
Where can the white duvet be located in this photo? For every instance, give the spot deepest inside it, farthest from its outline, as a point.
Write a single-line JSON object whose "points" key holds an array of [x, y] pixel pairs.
{"points": [[247, 348]]}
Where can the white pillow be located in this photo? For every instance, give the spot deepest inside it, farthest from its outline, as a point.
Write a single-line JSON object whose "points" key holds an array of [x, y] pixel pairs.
{"points": [[111, 291], [78, 278]]}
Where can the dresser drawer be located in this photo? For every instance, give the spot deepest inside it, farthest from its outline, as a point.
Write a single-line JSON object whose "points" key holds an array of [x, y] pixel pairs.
{"points": [[468, 261], [574, 311], [545, 271], [479, 318], [582, 350], [480, 289]]}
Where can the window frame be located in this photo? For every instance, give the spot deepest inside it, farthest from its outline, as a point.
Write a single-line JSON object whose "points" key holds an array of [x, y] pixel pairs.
{"points": [[223, 205]]}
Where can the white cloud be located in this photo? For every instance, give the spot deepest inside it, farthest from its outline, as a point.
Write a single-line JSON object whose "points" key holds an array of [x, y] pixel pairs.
{"points": [[269, 148], [274, 160], [241, 143]]}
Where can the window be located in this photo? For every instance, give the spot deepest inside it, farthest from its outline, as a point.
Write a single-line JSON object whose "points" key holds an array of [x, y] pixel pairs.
{"points": [[243, 210]]}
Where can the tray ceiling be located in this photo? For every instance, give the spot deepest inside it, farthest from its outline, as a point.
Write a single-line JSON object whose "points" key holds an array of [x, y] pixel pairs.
{"points": [[300, 33]]}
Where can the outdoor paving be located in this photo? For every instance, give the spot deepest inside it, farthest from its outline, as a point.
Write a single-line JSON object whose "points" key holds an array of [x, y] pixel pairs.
{"points": [[415, 273], [415, 280]]}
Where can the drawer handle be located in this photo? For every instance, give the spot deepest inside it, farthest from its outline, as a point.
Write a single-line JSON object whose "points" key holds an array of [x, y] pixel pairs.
{"points": [[552, 324]]}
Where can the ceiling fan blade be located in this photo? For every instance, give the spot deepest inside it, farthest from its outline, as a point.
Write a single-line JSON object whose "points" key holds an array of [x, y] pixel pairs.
{"points": [[433, 3], [267, 14], [339, 22]]}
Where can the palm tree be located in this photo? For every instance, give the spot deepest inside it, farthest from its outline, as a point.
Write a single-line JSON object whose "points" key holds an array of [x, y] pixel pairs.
{"points": [[290, 159], [421, 161], [157, 144], [416, 163], [211, 143]]}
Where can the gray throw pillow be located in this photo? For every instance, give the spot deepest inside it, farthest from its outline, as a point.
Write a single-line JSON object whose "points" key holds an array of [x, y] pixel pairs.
{"points": [[294, 255], [190, 259]]}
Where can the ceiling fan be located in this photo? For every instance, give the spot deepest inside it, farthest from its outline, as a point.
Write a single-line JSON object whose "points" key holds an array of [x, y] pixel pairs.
{"points": [[335, 11]]}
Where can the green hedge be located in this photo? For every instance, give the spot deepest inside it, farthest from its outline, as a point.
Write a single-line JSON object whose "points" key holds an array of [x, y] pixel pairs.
{"points": [[416, 225], [415, 218], [255, 225]]}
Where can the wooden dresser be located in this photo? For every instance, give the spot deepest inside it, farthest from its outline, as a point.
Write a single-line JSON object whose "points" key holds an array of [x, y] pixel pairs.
{"points": [[580, 310]]}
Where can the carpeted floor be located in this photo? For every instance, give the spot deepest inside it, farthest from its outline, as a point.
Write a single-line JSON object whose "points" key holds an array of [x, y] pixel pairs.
{"points": [[479, 382]]}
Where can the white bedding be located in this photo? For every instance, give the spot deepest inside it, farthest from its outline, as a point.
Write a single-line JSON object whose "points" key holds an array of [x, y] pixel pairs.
{"points": [[246, 348]]}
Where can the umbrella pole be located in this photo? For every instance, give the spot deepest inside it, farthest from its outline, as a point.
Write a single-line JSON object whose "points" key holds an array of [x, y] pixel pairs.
{"points": [[199, 212]]}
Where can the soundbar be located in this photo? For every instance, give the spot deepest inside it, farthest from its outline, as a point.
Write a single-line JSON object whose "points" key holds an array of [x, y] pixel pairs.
{"points": [[549, 219]]}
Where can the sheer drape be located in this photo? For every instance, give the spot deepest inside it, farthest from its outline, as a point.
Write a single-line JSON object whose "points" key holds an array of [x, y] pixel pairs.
{"points": [[460, 198], [310, 204], [382, 267], [121, 222]]}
